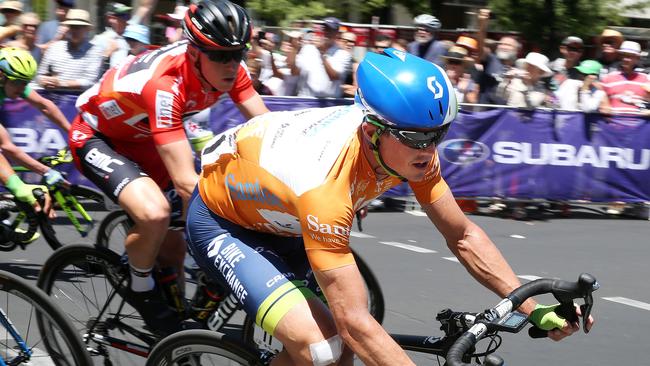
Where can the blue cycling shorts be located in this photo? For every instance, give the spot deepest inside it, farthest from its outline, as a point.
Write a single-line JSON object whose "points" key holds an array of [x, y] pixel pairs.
{"points": [[268, 274]]}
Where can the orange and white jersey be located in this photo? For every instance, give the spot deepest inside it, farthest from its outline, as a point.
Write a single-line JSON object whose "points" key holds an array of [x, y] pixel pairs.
{"points": [[300, 173]]}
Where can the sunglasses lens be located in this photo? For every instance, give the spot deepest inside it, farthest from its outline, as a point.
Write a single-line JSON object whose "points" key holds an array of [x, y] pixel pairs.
{"points": [[420, 140], [227, 56]]}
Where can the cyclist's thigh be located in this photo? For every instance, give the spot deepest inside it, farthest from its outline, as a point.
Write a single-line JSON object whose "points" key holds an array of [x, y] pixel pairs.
{"points": [[98, 160], [264, 284]]}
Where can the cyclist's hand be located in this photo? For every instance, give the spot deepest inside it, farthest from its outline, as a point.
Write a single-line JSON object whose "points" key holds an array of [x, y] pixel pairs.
{"points": [[54, 178], [544, 317]]}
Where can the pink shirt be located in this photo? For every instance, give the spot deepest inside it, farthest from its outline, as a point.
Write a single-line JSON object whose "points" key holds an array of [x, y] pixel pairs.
{"points": [[626, 93]]}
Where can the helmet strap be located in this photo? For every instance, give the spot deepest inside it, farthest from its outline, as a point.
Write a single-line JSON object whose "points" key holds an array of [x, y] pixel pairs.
{"points": [[374, 146], [197, 65]]}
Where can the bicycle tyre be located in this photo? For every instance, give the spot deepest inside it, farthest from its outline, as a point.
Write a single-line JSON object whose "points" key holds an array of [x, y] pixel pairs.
{"points": [[48, 315], [91, 199], [82, 280], [178, 347], [113, 229]]}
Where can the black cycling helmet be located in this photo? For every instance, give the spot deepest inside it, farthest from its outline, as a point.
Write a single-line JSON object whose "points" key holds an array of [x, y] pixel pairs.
{"points": [[216, 25]]}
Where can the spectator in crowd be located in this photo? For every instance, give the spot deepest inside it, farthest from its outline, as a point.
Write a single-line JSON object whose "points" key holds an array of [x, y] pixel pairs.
{"points": [[583, 92], [470, 44], [52, 30], [73, 63], [321, 65], [113, 45], [425, 44], [457, 65], [382, 42], [400, 44], [264, 47], [625, 88], [610, 41], [11, 10], [565, 67], [26, 40], [525, 88], [347, 41], [174, 30], [137, 36]]}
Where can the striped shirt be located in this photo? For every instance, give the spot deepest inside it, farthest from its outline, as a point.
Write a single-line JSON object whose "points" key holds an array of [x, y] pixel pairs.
{"points": [[626, 92], [82, 64]]}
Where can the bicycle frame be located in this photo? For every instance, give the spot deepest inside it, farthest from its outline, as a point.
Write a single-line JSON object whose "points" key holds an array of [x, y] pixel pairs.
{"points": [[26, 353]]}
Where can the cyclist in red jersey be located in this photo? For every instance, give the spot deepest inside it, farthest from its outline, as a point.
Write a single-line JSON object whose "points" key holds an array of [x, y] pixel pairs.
{"points": [[129, 139]]}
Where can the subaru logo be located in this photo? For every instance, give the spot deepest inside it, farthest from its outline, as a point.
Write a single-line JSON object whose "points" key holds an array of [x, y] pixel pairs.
{"points": [[463, 151]]}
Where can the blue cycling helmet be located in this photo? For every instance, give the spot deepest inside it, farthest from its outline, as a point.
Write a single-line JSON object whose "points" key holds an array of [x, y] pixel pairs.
{"points": [[405, 91]]}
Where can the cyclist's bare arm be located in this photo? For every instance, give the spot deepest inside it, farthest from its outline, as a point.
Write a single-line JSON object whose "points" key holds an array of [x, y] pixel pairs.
{"points": [[49, 109], [347, 299], [473, 248], [253, 106], [14, 152], [179, 161]]}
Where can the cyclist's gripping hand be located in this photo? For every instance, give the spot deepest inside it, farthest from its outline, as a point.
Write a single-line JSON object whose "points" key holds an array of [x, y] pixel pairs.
{"points": [[25, 193], [545, 317], [54, 178]]}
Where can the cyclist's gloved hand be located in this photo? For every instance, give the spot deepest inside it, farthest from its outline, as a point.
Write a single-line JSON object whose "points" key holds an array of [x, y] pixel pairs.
{"points": [[54, 178], [23, 192], [544, 317]]}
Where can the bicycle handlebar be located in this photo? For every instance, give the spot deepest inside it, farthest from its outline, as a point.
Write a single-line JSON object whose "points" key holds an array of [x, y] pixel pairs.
{"points": [[564, 291]]}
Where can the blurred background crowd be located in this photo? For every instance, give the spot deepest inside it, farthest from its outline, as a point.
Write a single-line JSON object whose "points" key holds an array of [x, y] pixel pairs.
{"points": [[318, 58]]}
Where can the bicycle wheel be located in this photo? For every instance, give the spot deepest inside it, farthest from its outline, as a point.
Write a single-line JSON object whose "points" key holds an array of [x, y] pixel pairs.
{"points": [[257, 337], [201, 347], [64, 225], [112, 231], [86, 283], [53, 342]]}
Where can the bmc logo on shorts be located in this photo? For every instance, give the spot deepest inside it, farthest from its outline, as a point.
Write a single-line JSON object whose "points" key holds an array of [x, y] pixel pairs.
{"points": [[164, 103], [100, 160]]}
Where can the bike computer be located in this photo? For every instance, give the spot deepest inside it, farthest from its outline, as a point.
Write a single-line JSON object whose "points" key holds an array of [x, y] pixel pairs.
{"points": [[512, 322]]}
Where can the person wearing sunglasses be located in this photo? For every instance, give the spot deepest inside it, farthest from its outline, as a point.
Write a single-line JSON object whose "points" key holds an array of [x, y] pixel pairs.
{"points": [[129, 137], [275, 201]]}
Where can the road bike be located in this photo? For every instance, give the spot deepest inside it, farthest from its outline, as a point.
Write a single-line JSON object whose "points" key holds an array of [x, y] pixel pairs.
{"points": [[89, 284], [75, 206], [53, 342], [458, 345]]}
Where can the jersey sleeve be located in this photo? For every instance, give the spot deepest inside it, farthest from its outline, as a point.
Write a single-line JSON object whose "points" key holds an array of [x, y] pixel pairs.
{"points": [[326, 223], [243, 88], [164, 105], [28, 89], [432, 187]]}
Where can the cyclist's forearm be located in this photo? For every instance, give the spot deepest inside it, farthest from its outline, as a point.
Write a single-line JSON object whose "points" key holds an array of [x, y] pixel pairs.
{"points": [[54, 114], [486, 263], [24, 159], [370, 342]]}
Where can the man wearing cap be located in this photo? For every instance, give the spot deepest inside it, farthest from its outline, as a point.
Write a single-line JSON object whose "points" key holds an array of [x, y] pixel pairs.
{"points": [[52, 30], [425, 44], [137, 36], [625, 88], [322, 65], [11, 10], [72, 63], [583, 92], [564, 67], [113, 45], [610, 41]]}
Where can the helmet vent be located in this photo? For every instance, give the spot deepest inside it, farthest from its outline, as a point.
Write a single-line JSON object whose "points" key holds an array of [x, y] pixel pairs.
{"points": [[431, 116], [442, 112]]}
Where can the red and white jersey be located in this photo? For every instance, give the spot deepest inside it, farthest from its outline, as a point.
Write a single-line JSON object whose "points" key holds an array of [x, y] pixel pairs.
{"points": [[147, 97], [300, 173], [625, 92]]}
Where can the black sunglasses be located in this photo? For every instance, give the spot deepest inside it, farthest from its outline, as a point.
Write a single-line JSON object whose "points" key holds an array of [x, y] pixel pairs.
{"points": [[414, 139], [224, 57]]}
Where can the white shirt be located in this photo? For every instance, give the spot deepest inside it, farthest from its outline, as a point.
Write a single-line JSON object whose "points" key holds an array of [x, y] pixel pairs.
{"points": [[102, 40], [571, 96], [314, 81]]}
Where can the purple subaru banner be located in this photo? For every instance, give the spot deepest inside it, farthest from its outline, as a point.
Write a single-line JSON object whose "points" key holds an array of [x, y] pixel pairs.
{"points": [[497, 153]]}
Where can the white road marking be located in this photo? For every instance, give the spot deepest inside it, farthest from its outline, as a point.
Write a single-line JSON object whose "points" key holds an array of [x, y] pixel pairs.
{"points": [[360, 235], [20, 260], [416, 213], [528, 277], [407, 247], [412, 241], [452, 259], [629, 302], [517, 236]]}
